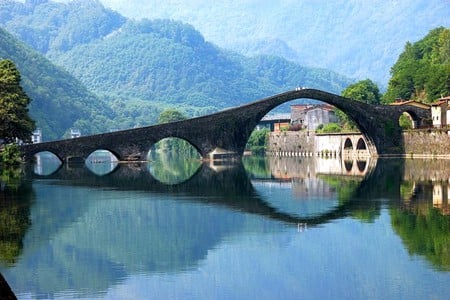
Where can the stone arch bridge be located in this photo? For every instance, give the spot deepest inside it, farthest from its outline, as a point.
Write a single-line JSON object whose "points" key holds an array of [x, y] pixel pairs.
{"points": [[230, 129]]}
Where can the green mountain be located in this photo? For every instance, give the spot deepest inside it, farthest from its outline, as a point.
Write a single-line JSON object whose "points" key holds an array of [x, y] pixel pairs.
{"points": [[140, 68], [422, 72], [50, 26], [59, 101], [162, 61], [360, 39], [170, 63]]}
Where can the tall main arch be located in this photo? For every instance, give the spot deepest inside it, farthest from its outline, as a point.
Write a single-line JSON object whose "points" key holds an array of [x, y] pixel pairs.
{"points": [[230, 129]]}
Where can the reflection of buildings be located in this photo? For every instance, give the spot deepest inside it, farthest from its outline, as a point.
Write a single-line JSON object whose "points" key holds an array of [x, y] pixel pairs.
{"points": [[306, 167], [427, 183], [420, 196], [441, 196], [306, 177]]}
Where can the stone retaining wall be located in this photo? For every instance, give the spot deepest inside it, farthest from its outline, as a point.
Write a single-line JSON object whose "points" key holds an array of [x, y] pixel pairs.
{"points": [[417, 143], [291, 143], [307, 143], [427, 143]]}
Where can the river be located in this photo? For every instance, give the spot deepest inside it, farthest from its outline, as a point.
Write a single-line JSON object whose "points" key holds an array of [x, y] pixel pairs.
{"points": [[266, 228]]}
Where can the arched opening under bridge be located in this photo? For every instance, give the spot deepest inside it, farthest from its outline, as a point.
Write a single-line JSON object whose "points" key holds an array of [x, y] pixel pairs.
{"points": [[173, 160]]}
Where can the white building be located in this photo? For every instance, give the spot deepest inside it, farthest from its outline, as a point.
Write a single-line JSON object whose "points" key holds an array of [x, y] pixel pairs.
{"points": [[74, 133], [440, 112], [37, 136]]}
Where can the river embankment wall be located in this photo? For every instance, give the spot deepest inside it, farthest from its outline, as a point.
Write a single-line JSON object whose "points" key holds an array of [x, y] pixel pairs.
{"points": [[308, 143], [427, 143], [291, 143], [432, 143]]}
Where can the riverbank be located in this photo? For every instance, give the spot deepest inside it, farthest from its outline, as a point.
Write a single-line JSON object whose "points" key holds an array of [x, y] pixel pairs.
{"points": [[418, 143]]}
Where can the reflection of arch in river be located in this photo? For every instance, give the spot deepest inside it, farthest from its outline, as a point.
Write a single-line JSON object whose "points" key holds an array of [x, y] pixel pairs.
{"points": [[358, 167], [296, 167], [231, 187]]}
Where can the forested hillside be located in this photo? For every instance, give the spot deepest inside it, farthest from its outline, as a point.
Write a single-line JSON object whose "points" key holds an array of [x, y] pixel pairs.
{"points": [[360, 39], [49, 26], [422, 71], [170, 63], [143, 67], [59, 101]]}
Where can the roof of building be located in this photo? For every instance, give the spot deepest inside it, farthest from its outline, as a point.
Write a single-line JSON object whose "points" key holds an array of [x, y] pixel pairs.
{"points": [[400, 102], [439, 102], [277, 117], [309, 107]]}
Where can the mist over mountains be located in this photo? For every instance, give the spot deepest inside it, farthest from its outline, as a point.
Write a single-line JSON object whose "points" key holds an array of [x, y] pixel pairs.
{"points": [[358, 38]]}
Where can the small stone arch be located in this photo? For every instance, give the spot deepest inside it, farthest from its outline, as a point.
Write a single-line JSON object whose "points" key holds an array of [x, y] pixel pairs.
{"points": [[408, 120], [116, 155], [47, 151], [193, 145], [361, 145], [46, 163]]}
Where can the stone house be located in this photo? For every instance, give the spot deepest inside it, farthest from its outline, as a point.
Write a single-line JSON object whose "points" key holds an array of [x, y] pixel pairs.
{"points": [[311, 116]]}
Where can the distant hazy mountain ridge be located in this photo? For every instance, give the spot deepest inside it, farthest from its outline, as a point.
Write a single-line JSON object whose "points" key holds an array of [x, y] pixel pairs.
{"points": [[358, 38]]}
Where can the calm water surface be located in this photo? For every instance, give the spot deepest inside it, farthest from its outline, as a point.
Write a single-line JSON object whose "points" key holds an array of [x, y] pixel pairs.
{"points": [[291, 228]]}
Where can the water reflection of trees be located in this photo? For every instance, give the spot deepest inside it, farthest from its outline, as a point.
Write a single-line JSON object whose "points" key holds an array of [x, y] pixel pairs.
{"points": [[418, 192], [422, 217], [173, 169], [16, 197], [424, 229], [424, 233]]}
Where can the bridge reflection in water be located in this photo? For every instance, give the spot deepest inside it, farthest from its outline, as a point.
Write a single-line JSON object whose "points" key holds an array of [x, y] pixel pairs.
{"points": [[168, 170], [312, 192]]}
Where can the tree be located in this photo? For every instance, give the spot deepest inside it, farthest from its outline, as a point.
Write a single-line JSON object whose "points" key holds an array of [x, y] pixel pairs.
{"points": [[329, 128], [15, 123], [422, 71], [257, 141], [174, 145], [365, 91], [170, 115]]}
